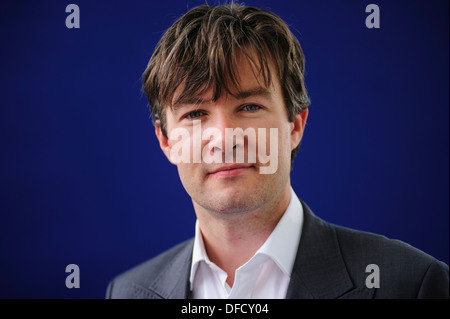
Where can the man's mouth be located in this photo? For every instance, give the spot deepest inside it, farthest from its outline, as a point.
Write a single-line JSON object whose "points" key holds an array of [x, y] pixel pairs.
{"points": [[230, 170]]}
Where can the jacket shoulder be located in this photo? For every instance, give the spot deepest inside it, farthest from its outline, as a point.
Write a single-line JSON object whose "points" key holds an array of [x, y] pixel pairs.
{"points": [[404, 271], [136, 280]]}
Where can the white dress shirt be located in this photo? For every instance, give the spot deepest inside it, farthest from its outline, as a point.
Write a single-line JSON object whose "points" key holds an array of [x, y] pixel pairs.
{"points": [[266, 275]]}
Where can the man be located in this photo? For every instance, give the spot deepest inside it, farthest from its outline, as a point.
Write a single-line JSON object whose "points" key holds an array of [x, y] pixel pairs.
{"points": [[239, 68]]}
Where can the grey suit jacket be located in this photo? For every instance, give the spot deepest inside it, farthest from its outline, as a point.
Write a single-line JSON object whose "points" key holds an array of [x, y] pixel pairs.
{"points": [[331, 263]]}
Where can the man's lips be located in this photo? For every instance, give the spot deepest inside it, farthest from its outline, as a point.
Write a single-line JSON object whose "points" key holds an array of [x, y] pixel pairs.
{"points": [[230, 170]]}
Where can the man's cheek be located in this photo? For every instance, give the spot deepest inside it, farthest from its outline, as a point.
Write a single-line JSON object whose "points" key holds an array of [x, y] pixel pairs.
{"points": [[180, 146]]}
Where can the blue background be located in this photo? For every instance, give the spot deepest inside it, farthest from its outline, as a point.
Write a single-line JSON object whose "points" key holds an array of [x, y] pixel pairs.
{"points": [[82, 178]]}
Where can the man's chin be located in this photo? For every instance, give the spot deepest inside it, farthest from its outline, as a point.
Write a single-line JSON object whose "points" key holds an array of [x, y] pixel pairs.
{"points": [[230, 201]]}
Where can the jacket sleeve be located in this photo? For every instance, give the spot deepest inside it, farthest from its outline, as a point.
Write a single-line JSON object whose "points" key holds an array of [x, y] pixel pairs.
{"points": [[435, 283], [109, 290]]}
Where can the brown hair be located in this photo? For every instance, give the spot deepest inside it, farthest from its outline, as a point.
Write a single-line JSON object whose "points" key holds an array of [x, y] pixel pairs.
{"points": [[199, 51]]}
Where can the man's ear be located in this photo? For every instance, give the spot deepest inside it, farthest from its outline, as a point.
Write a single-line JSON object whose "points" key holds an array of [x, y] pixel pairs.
{"points": [[297, 128], [163, 140]]}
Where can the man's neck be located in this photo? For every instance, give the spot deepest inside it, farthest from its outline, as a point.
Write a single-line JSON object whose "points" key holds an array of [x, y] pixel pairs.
{"points": [[231, 240]]}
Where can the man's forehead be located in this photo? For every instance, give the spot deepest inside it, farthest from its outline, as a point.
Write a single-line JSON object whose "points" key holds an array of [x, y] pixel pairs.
{"points": [[246, 78]]}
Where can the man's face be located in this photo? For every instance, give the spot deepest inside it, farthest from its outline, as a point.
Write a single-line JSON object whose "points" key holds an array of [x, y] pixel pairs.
{"points": [[221, 182]]}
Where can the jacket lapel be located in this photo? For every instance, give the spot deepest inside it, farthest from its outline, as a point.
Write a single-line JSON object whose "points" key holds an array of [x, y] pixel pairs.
{"points": [[173, 281], [319, 270]]}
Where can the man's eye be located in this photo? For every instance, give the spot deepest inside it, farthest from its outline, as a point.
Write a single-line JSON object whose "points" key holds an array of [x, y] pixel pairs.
{"points": [[194, 114], [251, 107]]}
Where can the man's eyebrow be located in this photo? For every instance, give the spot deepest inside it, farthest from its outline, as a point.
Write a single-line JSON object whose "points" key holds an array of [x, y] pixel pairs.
{"points": [[189, 101], [259, 91]]}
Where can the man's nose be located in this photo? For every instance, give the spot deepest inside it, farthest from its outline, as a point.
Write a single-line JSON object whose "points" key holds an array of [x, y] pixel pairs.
{"points": [[227, 141]]}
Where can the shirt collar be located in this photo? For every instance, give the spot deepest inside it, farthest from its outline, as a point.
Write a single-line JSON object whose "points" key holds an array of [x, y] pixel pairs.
{"points": [[198, 253], [281, 246]]}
